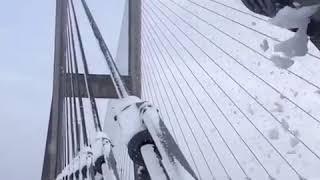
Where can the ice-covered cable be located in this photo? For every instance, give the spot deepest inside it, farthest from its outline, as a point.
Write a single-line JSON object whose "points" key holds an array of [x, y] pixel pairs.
{"points": [[77, 82], [115, 75], [72, 84], [93, 103]]}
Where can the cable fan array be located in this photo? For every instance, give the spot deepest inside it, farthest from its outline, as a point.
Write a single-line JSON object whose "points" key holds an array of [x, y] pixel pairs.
{"points": [[82, 158], [233, 113]]}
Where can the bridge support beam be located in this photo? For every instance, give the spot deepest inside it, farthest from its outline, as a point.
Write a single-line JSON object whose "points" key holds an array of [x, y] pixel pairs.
{"points": [[53, 157], [101, 86], [135, 46]]}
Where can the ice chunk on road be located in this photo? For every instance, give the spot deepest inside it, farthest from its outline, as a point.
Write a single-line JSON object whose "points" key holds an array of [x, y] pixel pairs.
{"points": [[282, 62], [264, 45], [285, 124], [295, 46]]}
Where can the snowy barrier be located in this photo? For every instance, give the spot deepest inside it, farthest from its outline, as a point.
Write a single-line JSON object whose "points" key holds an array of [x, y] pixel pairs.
{"points": [[141, 125]]}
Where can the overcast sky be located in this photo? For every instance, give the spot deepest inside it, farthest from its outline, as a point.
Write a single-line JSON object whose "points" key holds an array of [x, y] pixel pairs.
{"points": [[26, 64]]}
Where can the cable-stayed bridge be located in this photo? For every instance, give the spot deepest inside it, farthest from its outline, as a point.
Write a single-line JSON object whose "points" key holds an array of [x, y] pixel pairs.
{"points": [[192, 93]]}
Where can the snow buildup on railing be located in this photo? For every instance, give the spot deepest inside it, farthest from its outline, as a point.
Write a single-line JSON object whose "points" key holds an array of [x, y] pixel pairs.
{"points": [[76, 164], [67, 170], [127, 115], [71, 167], [292, 18], [102, 148], [98, 146], [85, 157]]}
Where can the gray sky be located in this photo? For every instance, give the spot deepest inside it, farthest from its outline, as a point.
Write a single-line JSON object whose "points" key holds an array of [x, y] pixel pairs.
{"points": [[26, 53]]}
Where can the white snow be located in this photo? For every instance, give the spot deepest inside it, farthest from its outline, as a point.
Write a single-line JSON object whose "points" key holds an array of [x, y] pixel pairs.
{"points": [[102, 148], [274, 134], [83, 158], [120, 151], [264, 45], [152, 163], [290, 18], [127, 116], [76, 164]]}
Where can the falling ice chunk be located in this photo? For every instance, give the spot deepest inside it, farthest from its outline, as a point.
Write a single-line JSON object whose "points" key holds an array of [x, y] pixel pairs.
{"points": [[295, 46], [264, 45], [274, 134], [291, 18], [282, 62]]}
